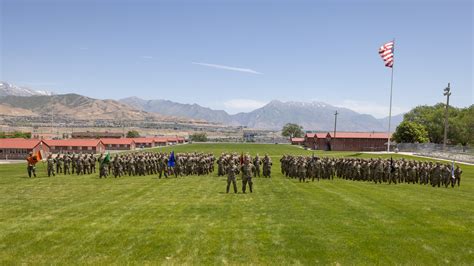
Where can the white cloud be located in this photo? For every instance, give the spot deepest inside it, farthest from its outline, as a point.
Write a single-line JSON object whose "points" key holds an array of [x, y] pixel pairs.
{"points": [[375, 109], [238, 69], [242, 105]]}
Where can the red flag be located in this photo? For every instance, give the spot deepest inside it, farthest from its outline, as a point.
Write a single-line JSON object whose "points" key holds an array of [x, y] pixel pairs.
{"points": [[38, 156]]}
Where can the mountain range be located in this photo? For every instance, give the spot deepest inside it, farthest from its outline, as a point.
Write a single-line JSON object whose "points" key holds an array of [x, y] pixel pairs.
{"points": [[21, 101], [274, 115]]}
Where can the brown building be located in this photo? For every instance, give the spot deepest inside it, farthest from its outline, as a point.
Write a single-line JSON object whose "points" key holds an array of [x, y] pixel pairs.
{"points": [[17, 149], [347, 141], [317, 141], [75, 145], [358, 141], [144, 142], [160, 141], [118, 144]]}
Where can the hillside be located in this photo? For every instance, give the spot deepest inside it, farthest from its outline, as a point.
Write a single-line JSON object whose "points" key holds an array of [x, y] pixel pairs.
{"points": [[72, 106]]}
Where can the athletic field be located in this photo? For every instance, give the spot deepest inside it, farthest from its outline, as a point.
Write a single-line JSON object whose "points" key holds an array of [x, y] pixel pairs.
{"points": [[190, 220]]}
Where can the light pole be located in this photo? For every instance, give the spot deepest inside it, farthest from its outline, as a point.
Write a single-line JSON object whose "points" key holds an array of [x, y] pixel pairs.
{"points": [[335, 122], [447, 93]]}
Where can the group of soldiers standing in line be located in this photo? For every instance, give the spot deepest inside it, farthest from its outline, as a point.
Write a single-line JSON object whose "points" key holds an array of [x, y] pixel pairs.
{"points": [[161, 164], [68, 164], [231, 164], [372, 170], [131, 164]]}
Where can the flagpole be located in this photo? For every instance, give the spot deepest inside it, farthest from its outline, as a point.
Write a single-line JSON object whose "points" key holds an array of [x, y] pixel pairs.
{"points": [[390, 110]]}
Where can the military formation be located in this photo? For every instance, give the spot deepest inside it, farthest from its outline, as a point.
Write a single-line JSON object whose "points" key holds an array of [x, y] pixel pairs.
{"points": [[151, 163], [379, 170], [69, 164], [131, 164], [231, 164], [263, 166], [303, 168]]}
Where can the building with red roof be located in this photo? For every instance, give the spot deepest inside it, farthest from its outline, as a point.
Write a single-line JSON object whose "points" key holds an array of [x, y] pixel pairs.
{"points": [[297, 141], [160, 141], [347, 141], [16, 148], [316, 141], [75, 145], [358, 141], [144, 142], [122, 144]]}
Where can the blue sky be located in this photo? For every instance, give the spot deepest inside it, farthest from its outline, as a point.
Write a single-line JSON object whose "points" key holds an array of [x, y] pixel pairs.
{"points": [[239, 55]]}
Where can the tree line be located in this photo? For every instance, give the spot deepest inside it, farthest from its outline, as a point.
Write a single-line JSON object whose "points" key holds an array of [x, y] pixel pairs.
{"points": [[426, 124]]}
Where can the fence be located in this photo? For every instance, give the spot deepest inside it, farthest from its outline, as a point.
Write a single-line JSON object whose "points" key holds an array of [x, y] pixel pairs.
{"points": [[452, 152]]}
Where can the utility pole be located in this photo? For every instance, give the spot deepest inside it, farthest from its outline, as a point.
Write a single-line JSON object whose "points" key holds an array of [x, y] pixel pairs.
{"points": [[447, 93], [335, 123], [52, 122]]}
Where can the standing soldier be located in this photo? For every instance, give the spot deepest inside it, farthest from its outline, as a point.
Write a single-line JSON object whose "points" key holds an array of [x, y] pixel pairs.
{"points": [[92, 162], [50, 165], [302, 170], [256, 163], [66, 164], [267, 166], [86, 165], [79, 165], [31, 168], [73, 163], [232, 170], [457, 175], [59, 163], [247, 173]]}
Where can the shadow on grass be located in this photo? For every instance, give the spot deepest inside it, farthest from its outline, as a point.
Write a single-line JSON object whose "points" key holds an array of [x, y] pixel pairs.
{"points": [[355, 154]]}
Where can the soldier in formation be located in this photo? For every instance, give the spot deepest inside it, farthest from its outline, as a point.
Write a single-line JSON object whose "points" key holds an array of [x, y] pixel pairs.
{"points": [[248, 170], [50, 165], [267, 166], [232, 171], [372, 170]]}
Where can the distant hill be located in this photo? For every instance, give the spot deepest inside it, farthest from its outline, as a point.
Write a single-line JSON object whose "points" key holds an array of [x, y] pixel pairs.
{"points": [[170, 108], [312, 116], [7, 89], [73, 106]]}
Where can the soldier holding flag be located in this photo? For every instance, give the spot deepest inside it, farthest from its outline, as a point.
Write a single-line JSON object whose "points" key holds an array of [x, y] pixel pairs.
{"points": [[32, 160]]}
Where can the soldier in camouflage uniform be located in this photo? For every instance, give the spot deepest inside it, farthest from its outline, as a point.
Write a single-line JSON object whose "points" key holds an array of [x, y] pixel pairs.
{"points": [[59, 163], [67, 164], [257, 162], [267, 166], [232, 170], [50, 165], [247, 170]]}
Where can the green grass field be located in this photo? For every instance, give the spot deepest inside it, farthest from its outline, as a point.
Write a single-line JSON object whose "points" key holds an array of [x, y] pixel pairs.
{"points": [[143, 220]]}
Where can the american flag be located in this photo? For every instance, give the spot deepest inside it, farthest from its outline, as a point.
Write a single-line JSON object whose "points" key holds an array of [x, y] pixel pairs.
{"points": [[386, 52]]}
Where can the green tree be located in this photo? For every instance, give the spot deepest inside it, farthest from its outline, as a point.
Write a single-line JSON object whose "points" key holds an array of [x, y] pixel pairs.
{"points": [[410, 132], [133, 134], [292, 131], [198, 137]]}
